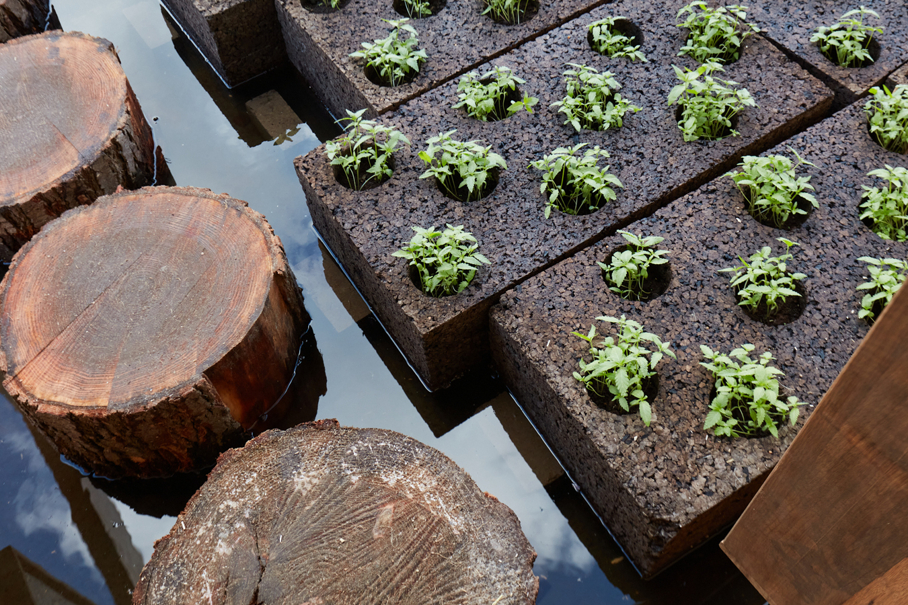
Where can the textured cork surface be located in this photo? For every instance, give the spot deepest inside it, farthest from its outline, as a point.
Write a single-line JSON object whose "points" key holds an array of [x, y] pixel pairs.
{"points": [[791, 24], [456, 38], [648, 155], [665, 489]]}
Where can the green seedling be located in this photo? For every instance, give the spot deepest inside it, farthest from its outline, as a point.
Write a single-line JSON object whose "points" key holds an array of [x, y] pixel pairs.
{"points": [[574, 182], [628, 269], [506, 11], [485, 96], [393, 58], [887, 207], [621, 364], [847, 42], [764, 279], [445, 260], [460, 165], [592, 101], [606, 40], [708, 105], [886, 277], [716, 34], [771, 188], [747, 401], [364, 151], [887, 112]]}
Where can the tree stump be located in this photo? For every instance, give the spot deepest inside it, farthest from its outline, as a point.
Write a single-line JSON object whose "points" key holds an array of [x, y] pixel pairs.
{"points": [[71, 130], [23, 17], [143, 332], [321, 514]]}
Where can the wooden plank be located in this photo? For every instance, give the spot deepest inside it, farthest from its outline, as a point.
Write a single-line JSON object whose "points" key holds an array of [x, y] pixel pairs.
{"points": [[829, 520], [889, 589]]}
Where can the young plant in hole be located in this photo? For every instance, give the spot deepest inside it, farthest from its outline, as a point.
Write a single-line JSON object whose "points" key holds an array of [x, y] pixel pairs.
{"points": [[886, 277], [716, 34], [506, 11], [485, 96], [887, 112], [628, 269], [747, 401], [887, 207], [575, 183], [364, 151], [606, 41], [771, 187], [417, 8], [393, 58], [460, 165], [707, 105], [446, 260], [764, 279], [326, 3], [592, 101], [621, 365], [846, 43]]}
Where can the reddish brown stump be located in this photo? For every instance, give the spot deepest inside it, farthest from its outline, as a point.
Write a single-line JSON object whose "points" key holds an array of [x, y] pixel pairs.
{"points": [[143, 332], [71, 130], [22, 17], [324, 514]]}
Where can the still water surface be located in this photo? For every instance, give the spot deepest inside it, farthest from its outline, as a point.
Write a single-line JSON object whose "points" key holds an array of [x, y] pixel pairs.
{"points": [[95, 535]]}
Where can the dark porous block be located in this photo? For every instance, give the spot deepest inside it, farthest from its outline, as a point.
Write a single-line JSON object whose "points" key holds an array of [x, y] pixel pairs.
{"points": [[665, 489], [791, 25], [443, 338], [456, 39], [240, 38], [899, 76]]}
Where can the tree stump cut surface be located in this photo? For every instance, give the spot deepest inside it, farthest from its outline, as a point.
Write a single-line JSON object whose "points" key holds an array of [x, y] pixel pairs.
{"points": [[330, 515], [71, 130], [22, 17], [141, 333]]}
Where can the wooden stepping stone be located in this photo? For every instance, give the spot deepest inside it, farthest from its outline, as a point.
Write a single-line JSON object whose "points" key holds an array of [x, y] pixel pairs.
{"points": [[143, 332], [22, 17], [71, 130], [321, 514]]}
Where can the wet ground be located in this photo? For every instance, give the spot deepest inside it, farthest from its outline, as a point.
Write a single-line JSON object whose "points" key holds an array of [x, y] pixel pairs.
{"points": [[94, 535]]}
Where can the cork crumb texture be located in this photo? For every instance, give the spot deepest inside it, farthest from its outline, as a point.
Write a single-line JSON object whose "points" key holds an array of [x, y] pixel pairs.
{"points": [[664, 489], [444, 337], [144, 333], [792, 24], [326, 514]]}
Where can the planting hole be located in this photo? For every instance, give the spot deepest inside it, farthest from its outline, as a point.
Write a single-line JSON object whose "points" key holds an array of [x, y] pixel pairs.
{"points": [[362, 175], [462, 194], [656, 283], [873, 48], [609, 404], [724, 132], [413, 274], [526, 10], [794, 220], [436, 6], [376, 78], [785, 313], [896, 145], [625, 28], [738, 413], [323, 6], [574, 205]]}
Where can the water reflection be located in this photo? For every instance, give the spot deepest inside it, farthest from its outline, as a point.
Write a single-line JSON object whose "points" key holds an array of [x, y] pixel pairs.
{"points": [[209, 134], [27, 583]]}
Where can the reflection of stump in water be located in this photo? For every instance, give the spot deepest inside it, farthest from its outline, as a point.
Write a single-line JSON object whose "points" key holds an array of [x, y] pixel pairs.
{"points": [[322, 514], [71, 130], [22, 17], [143, 332]]}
